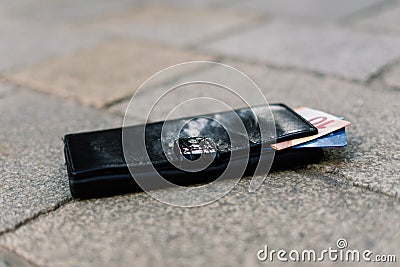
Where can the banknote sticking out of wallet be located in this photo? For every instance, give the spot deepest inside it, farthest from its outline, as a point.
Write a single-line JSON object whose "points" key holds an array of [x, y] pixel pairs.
{"points": [[97, 167]]}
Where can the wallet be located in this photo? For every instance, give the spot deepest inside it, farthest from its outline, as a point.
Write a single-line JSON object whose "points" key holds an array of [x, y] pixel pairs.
{"points": [[97, 167]]}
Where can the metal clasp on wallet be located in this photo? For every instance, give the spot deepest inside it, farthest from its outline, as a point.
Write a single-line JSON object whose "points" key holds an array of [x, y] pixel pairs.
{"points": [[192, 148]]}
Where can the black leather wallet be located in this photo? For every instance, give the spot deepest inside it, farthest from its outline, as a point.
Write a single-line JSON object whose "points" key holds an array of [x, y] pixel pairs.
{"points": [[96, 164]]}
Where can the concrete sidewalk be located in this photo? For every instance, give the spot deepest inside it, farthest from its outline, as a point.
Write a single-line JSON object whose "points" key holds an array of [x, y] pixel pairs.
{"points": [[69, 66]]}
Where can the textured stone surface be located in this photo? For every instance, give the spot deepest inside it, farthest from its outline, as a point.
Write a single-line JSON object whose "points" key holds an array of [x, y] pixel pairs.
{"points": [[26, 42], [371, 158], [387, 19], [66, 11], [175, 101], [9, 259], [32, 173], [171, 24], [324, 9], [290, 211], [5, 91], [201, 3], [330, 50], [392, 77], [102, 74]]}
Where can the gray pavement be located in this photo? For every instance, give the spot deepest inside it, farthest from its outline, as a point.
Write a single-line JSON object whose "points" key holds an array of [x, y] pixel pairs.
{"points": [[186, 25], [7, 258], [291, 210], [68, 66], [86, 75], [32, 163], [392, 77], [31, 41], [328, 50], [322, 9]]}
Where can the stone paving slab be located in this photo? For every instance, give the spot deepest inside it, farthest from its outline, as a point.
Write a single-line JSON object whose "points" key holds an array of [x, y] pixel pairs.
{"points": [[170, 24], [33, 177], [392, 77], [102, 74], [27, 42], [310, 210], [66, 11], [201, 3], [323, 9], [388, 18], [9, 259], [161, 105], [5, 91], [371, 158], [329, 50]]}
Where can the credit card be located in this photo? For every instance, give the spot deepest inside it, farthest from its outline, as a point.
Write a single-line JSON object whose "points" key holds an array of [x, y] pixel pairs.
{"points": [[335, 139]]}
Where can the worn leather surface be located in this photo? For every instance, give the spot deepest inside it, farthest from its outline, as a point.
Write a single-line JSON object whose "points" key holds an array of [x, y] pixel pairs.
{"points": [[96, 158]]}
